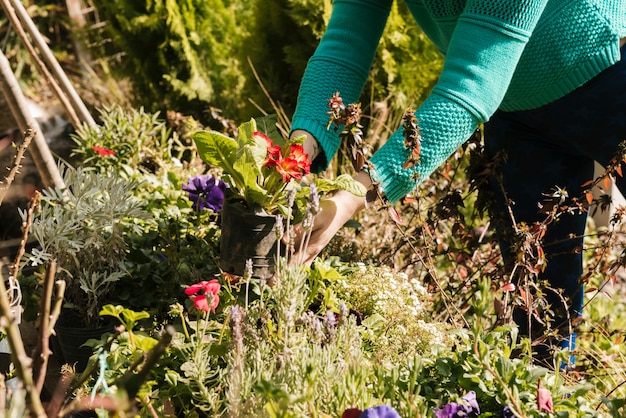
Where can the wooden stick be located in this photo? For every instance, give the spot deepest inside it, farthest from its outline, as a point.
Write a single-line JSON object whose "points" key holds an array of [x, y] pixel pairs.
{"points": [[15, 23], [15, 7], [46, 165]]}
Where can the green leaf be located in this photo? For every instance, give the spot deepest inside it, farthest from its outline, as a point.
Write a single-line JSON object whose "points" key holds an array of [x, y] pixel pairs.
{"points": [[326, 271], [111, 310], [258, 195], [343, 182], [375, 322], [131, 317], [248, 168], [245, 132], [255, 152], [216, 149], [267, 125], [145, 343]]}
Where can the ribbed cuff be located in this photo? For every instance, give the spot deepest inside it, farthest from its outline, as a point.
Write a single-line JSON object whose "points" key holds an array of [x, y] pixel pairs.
{"points": [[395, 182]]}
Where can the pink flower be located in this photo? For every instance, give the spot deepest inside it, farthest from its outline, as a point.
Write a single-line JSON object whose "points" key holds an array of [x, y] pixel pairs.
{"points": [[204, 295], [544, 398], [105, 152]]}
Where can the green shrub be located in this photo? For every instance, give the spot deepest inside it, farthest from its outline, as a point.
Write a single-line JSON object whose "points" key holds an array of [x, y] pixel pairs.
{"points": [[178, 55]]}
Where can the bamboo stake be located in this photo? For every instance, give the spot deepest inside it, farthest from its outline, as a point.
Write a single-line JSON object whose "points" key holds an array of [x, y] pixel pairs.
{"points": [[75, 105], [15, 23], [46, 165]]}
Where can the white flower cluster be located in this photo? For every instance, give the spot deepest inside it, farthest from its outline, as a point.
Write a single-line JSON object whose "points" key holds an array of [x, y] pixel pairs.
{"points": [[379, 290], [394, 311]]}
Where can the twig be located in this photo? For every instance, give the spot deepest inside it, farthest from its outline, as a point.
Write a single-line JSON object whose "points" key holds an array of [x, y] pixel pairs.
{"points": [[58, 397], [41, 352], [33, 205], [283, 120], [21, 361], [17, 163], [15, 22]]}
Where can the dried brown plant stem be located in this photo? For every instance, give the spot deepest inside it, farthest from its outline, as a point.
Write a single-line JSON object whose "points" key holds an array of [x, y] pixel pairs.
{"points": [[17, 164], [15, 22], [21, 361], [41, 352], [284, 124], [32, 207]]}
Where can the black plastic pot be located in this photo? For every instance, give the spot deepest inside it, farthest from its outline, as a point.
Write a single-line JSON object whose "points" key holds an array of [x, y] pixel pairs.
{"points": [[247, 235], [70, 338]]}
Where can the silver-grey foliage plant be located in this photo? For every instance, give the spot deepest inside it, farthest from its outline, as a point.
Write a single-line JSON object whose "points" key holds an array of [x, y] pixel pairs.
{"points": [[82, 227]]}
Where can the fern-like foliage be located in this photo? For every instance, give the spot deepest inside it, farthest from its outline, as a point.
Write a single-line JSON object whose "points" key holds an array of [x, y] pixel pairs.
{"points": [[178, 54]]}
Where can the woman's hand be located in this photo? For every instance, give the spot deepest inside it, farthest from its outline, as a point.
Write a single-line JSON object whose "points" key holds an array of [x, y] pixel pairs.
{"points": [[335, 212]]}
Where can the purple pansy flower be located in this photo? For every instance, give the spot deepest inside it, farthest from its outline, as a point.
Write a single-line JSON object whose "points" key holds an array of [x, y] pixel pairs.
{"points": [[205, 192], [507, 413], [381, 411], [468, 408]]}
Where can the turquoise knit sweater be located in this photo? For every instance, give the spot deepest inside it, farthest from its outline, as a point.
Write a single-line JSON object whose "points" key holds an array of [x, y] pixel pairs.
{"points": [[506, 54]]}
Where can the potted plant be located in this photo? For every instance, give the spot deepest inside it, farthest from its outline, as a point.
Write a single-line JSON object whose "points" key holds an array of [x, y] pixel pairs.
{"points": [[82, 228], [268, 182]]}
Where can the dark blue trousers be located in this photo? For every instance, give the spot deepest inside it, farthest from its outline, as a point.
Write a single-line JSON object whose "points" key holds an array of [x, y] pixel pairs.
{"points": [[556, 146]]}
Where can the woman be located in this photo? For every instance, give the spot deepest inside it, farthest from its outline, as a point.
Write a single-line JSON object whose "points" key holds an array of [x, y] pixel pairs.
{"points": [[546, 76]]}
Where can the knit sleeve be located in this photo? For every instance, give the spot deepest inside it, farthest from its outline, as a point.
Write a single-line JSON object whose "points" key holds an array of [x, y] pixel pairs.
{"points": [[484, 50], [341, 63]]}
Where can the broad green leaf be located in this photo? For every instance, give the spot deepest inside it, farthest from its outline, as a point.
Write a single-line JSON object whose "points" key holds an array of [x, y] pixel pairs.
{"points": [[247, 170], [216, 149], [258, 195], [131, 317], [255, 151], [267, 125], [144, 342], [375, 322], [112, 310], [245, 131], [326, 271]]}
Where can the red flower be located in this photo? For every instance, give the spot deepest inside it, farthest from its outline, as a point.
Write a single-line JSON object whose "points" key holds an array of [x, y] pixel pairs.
{"points": [[298, 154], [293, 166], [204, 295], [289, 169], [105, 152], [273, 151]]}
